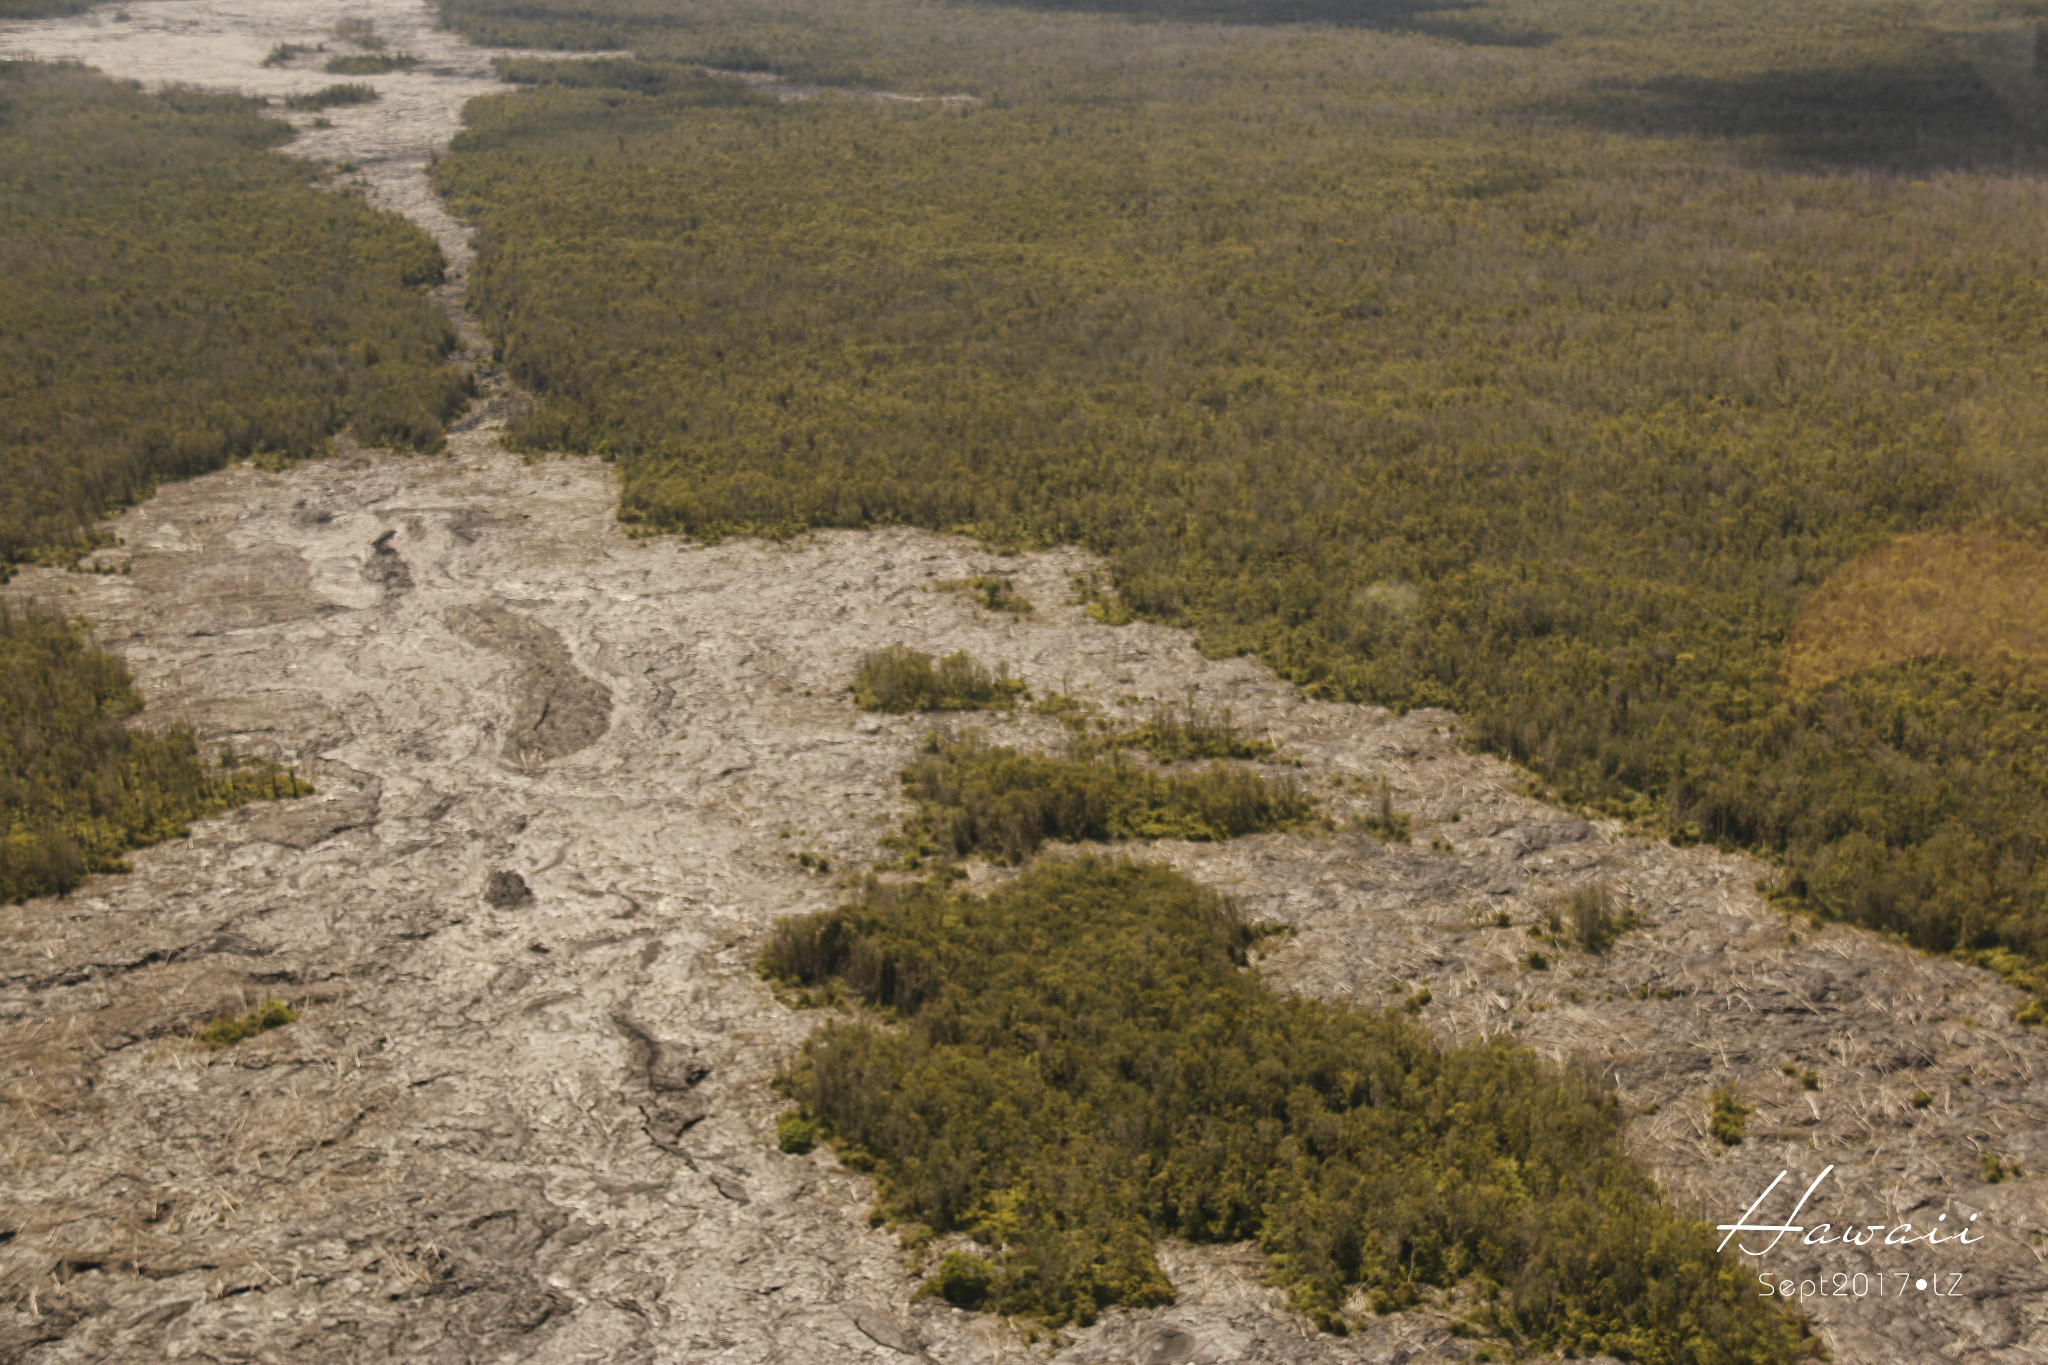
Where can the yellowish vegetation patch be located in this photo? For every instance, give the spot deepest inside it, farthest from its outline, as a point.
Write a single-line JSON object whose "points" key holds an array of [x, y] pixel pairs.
{"points": [[226, 1031], [1979, 594]]}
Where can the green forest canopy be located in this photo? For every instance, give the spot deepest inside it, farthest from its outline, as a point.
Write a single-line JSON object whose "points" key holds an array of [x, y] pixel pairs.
{"points": [[174, 295], [1534, 359], [78, 786], [1083, 1064]]}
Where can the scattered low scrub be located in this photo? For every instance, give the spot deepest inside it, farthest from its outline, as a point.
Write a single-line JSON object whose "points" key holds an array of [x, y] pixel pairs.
{"points": [[1065, 708], [1173, 734], [992, 591], [78, 785], [332, 96], [284, 54], [226, 1032], [370, 63], [1382, 821], [1588, 919], [1100, 603], [1002, 803], [898, 680], [1080, 1063], [176, 295], [361, 33], [1594, 924], [1808, 1078]]}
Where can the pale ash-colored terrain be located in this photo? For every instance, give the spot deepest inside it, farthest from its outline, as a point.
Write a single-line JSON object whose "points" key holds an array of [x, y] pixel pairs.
{"points": [[539, 1127]]}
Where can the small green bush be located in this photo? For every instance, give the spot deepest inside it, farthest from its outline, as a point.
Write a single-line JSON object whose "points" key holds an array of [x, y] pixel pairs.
{"points": [[226, 1031], [1728, 1116], [898, 680], [962, 1280], [1594, 922], [332, 96], [795, 1134]]}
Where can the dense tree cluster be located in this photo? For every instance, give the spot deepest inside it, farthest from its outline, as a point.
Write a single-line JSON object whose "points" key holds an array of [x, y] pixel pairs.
{"points": [[1544, 377], [898, 680], [973, 797], [1079, 1063], [78, 786], [174, 295], [1084, 1064]]}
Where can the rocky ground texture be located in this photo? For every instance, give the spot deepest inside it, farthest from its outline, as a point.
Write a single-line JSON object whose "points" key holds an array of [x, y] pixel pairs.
{"points": [[564, 778]]}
